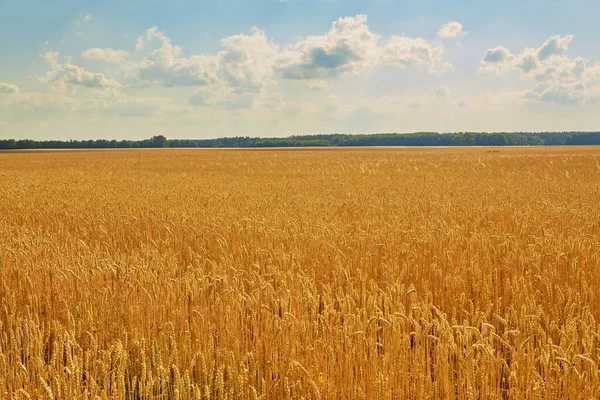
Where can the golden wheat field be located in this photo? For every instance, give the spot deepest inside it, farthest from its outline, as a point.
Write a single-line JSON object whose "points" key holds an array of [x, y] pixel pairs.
{"points": [[447, 273]]}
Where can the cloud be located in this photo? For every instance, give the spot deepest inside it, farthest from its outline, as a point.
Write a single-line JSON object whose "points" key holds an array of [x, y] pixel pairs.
{"points": [[560, 93], [557, 78], [233, 78], [555, 45], [452, 29], [244, 64], [62, 76], [500, 59], [140, 43], [247, 61], [349, 48], [404, 51], [248, 71], [166, 66], [498, 54], [106, 54], [496, 60], [8, 88]]}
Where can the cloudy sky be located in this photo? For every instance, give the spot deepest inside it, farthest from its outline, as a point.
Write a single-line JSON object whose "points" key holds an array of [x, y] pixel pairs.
{"points": [[211, 68]]}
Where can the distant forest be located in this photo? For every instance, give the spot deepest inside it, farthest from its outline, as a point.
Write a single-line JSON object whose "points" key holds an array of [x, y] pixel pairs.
{"points": [[379, 139]]}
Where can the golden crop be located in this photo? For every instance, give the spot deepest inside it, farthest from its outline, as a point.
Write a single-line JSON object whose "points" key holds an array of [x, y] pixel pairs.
{"points": [[348, 273]]}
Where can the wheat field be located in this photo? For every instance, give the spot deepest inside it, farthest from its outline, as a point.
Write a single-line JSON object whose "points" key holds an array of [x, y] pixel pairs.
{"points": [[446, 273]]}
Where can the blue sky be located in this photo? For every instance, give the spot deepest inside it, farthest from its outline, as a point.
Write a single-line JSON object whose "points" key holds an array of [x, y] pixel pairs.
{"points": [[196, 69]]}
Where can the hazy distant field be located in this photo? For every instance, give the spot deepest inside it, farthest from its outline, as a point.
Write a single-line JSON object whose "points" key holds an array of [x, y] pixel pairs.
{"points": [[348, 273]]}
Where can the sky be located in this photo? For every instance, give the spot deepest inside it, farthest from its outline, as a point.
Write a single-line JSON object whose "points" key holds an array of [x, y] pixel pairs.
{"points": [[132, 69]]}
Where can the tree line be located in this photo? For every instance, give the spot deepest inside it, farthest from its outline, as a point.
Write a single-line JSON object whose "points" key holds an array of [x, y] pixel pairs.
{"points": [[379, 139]]}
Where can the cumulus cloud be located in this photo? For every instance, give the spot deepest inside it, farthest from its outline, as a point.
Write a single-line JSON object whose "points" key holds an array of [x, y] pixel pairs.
{"points": [[63, 75], [232, 78], [140, 43], [8, 88], [452, 29], [496, 60], [498, 54], [244, 64], [75, 75], [404, 51], [500, 59], [166, 66], [349, 48], [106, 54], [562, 93], [244, 73], [558, 79], [555, 45], [247, 61]]}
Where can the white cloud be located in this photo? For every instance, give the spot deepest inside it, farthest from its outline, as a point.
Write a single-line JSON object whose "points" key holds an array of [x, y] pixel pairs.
{"points": [[349, 48], [140, 43], [452, 29], [231, 78], [496, 60], [62, 77], [248, 75], [106, 54], [500, 59], [404, 51], [562, 93], [555, 45], [8, 88], [166, 66], [497, 55], [558, 79], [247, 61]]}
